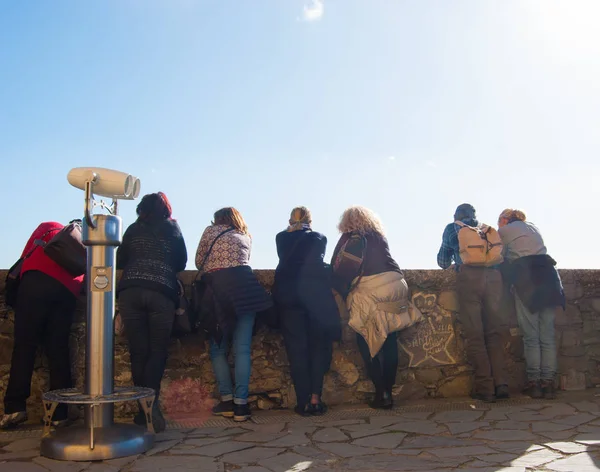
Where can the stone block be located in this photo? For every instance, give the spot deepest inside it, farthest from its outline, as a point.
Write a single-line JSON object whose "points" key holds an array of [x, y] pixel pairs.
{"points": [[571, 338], [448, 300], [428, 376], [431, 342], [573, 290], [458, 387], [345, 369], [572, 380], [570, 317]]}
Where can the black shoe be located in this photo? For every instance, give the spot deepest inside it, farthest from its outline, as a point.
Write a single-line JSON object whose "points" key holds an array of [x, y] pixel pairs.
{"points": [[484, 397], [140, 418], [387, 401], [318, 409], [502, 392], [13, 420], [158, 420], [241, 413], [224, 409], [377, 402], [303, 410], [548, 389], [533, 389]]}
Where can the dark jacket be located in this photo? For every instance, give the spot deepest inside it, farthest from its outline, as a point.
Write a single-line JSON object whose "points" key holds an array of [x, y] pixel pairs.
{"points": [[374, 251], [537, 282], [231, 292], [302, 280], [151, 255]]}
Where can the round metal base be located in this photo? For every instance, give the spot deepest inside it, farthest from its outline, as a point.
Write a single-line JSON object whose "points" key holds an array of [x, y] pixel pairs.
{"points": [[118, 440]]}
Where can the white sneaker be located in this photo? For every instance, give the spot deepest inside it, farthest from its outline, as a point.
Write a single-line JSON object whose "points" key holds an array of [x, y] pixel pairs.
{"points": [[12, 420]]}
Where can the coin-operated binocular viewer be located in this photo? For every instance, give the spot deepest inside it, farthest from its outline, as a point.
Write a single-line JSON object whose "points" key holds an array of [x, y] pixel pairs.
{"points": [[99, 438]]}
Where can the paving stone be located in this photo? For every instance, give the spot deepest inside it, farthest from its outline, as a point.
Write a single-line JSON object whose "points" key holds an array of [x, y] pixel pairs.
{"points": [[252, 468], [162, 447], [102, 467], [418, 427], [176, 464], [199, 442], [313, 453], [60, 466], [536, 458], [215, 450], [259, 437], [408, 452], [347, 450], [250, 456], [499, 458], [505, 435], [22, 445], [383, 421], [510, 424], [386, 462], [229, 432], [289, 440], [427, 442], [461, 451], [300, 429], [329, 435], [457, 428], [265, 428], [20, 455], [493, 469], [457, 416], [549, 427], [588, 438], [122, 461], [169, 435], [20, 467], [338, 423], [381, 441], [517, 447], [361, 430], [288, 461], [198, 432], [586, 406], [586, 428], [560, 409], [567, 447], [417, 415], [582, 462], [576, 420], [559, 435], [528, 416]]}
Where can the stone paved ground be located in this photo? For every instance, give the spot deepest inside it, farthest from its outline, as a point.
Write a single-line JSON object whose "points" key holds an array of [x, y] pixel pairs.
{"points": [[561, 436]]}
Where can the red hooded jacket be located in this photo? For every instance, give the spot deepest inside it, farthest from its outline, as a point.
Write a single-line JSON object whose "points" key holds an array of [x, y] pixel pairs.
{"points": [[38, 260]]}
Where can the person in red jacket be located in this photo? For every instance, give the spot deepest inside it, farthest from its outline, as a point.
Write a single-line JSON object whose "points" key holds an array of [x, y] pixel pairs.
{"points": [[43, 314]]}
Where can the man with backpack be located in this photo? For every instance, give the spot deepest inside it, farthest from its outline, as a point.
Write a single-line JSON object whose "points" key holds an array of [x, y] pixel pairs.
{"points": [[476, 251], [44, 304]]}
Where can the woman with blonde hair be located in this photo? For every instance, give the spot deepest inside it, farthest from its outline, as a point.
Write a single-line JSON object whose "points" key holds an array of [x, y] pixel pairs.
{"points": [[376, 295], [538, 292], [308, 312], [232, 299]]}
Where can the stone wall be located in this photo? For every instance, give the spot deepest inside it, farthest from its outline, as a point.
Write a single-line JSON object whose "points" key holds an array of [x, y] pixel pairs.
{"points": [[432, 354]]}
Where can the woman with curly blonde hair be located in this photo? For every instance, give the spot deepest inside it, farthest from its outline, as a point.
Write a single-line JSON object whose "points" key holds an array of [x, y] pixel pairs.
{"points": [[538, 292], [376, 295]]}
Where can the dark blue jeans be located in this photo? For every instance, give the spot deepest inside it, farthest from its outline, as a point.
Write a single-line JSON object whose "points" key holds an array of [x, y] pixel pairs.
{"points": [[148, 319]]}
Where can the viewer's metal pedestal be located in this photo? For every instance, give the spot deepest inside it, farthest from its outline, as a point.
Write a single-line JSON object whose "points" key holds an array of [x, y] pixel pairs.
{"points": [[100, 438]]}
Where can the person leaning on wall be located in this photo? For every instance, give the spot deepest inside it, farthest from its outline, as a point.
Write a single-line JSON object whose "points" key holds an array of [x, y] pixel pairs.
{"points": [[44, 310], [480, 289], [308, 313], [538, 292], [232, 299], [152, 253], [376, 296]]}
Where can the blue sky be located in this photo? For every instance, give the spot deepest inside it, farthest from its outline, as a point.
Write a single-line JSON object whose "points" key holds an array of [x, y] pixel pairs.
{"points": [[407, 107]]}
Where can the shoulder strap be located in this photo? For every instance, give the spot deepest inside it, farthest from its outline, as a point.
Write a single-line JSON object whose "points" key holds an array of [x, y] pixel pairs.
{"points": [[361, 269], [40, 242], [211, 248]]}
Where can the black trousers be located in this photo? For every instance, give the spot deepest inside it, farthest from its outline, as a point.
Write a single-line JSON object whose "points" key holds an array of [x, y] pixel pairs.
{"points": [[381, 368], [148, 319], [43, 316], [308, 350]]}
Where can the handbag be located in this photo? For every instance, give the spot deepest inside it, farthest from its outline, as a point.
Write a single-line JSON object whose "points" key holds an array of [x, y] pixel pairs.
{"points": [[67, 250], [182, 321], [199, 287], [13, 277]]}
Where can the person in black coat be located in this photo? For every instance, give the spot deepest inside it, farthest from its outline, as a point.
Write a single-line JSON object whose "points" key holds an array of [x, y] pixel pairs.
{"points": [[152, 253], [308, 312]]}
